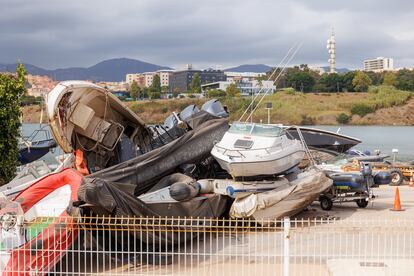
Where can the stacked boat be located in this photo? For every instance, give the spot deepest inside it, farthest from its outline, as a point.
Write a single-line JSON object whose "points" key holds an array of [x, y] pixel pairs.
{"points": [[263, 160], [250, 149], [194, 164]]}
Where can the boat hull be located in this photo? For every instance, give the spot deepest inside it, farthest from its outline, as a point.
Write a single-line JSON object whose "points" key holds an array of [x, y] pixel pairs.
{"points": [[37, 150], [323, 139], [36, 202], [287, 200], [260, 167]]}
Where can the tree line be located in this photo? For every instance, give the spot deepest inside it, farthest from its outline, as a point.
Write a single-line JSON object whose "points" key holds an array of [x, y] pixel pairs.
{"points": [[304, 79]]}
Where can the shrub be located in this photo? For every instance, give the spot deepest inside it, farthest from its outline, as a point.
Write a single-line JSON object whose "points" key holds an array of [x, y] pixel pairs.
{"points": [[289, 91], [343, 119], [216, 93], [307, 120], [361, 109]]}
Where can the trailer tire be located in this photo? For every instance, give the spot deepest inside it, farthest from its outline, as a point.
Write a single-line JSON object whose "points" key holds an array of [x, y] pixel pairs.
{"points": [[397, 177], [326, 203], [362, 203]]}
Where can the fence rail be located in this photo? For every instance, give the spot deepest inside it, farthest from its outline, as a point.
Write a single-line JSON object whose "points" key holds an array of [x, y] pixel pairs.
{"points": [[200, 246]]}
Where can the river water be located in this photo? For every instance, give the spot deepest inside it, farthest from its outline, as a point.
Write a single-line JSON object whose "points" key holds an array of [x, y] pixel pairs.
{"points": [[384, 138]]}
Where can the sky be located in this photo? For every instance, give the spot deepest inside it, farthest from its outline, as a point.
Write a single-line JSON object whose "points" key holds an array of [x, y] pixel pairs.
{"points": [[210, 33]]}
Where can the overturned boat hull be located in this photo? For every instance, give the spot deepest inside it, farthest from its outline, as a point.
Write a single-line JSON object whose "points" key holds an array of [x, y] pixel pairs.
{"points": [[323, 139]]}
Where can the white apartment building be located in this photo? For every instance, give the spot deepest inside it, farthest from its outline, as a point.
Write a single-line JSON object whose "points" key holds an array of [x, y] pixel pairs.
{"points": [[148, 78], [164, 77], [130, 78], [379, 64]]}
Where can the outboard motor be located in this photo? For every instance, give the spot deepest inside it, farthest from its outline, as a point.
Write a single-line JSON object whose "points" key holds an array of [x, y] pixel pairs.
{"points": [[215, 108], [366, 171]]}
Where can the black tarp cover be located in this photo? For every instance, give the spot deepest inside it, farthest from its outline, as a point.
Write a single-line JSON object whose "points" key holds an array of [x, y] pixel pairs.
{"points": [[194, 146]]}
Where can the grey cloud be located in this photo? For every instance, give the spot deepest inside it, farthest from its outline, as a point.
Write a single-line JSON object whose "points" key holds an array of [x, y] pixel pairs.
{"points": [[56, 33]]}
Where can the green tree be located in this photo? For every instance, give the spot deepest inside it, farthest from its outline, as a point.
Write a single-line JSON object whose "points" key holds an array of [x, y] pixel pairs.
{"points": [[389, 78], [361, 82], [232, 90], [347, 81], [331, 83], [165, 88], [154, 95], [156, 84], [12, 87], [301, 81], [135, 90], [376, 78], [405, 80], [195, 86]]}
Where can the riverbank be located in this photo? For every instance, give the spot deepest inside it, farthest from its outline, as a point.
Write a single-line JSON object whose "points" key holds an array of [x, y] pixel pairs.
{"points": [[288, 108]]}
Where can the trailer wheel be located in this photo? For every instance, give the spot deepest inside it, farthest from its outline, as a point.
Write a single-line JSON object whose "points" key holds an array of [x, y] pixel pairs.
{"points": [[397, 177], [326, 203], [362, 203]]}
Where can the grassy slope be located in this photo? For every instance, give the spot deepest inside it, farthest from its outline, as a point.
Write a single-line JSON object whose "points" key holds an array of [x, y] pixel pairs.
{"points": [[288, 107]]}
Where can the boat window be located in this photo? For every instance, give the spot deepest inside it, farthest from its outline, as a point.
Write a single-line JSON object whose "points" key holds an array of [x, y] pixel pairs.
{"points": [[266, 130], [240, 128]]}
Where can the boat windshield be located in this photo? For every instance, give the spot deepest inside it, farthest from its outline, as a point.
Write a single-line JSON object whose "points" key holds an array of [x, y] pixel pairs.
{"points": [[256, 129], [240, 128], [266, 130]]}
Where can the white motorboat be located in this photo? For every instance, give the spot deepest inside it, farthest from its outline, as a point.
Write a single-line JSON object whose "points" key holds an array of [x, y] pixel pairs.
{"points": [[251, 149]]}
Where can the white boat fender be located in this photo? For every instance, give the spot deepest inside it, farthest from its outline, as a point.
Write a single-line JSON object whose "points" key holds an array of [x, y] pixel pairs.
{"points": [[206, 186]]}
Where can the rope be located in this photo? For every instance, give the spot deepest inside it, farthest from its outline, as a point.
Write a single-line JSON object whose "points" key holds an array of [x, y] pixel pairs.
{"points": [[277, 77]]}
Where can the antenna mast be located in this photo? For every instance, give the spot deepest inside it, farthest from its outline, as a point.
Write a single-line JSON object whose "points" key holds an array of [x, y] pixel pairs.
{"points": [[331, 45]]}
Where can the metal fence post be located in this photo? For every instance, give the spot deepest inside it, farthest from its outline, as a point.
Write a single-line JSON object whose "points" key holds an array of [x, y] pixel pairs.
{"points": [[286, 237]]}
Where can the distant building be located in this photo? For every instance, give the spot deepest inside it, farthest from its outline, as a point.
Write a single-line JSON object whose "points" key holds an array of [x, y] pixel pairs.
{"points": [[146, 79], [246, 87], [138, 78], [243, 76], [113, 85], [379, 64], [165, 77], [180, 80], [39, 85]]}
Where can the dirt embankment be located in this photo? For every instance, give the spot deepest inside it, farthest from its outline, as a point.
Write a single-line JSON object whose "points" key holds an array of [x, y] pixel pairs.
{"points": [[396, 115]]}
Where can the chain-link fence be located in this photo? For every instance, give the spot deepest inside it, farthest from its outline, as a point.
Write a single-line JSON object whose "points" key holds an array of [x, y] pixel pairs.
{"points": [[198, 246]]}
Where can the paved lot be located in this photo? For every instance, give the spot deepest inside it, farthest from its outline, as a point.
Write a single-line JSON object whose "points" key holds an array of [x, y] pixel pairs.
{"points": [[378, 208]]}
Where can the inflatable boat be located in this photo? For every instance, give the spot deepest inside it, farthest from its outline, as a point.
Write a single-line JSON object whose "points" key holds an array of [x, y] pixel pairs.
{"points": [[32, 237]]}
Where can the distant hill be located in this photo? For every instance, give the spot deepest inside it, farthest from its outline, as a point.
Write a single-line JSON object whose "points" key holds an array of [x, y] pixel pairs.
{"points": [[108, 70], [339, 70], [256, 68]]}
